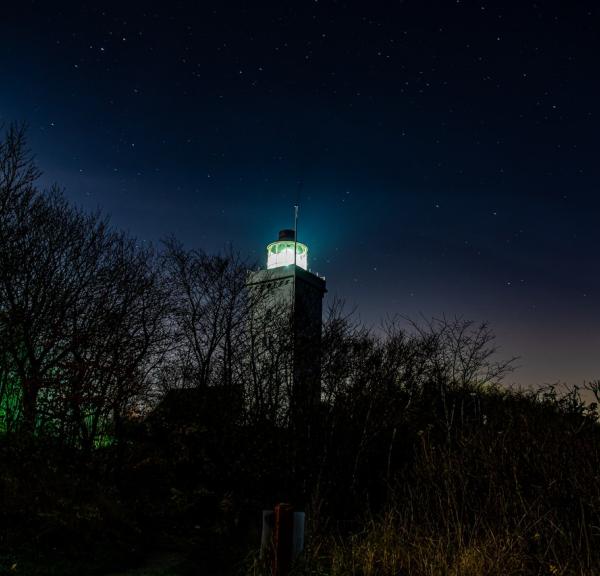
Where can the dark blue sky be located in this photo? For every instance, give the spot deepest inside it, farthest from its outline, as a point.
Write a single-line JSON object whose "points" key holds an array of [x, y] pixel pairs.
{"points": [[447, 151]]}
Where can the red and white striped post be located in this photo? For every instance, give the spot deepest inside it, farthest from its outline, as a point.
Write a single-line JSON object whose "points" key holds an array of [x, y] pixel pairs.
{"points": [[282, 537]]}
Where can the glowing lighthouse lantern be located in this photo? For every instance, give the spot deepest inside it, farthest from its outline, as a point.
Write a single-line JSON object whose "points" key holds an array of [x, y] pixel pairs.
{"points": [[281, 253]]}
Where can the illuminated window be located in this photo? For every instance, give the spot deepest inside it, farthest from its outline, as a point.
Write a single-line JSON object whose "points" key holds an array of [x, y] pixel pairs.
{"points": [[281, 253]]}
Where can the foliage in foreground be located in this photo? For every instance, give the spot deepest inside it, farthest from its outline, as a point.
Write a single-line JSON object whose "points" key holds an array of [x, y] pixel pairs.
{"points": [[415, 461]]}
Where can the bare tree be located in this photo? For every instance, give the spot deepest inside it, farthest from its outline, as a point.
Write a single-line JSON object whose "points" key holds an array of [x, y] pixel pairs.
{"points": [[208, 310], [375, 383], [81, 306], [227, 333]]}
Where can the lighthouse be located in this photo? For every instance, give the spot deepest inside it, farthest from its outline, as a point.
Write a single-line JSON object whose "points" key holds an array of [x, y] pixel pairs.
{"points": [[293, 295]]}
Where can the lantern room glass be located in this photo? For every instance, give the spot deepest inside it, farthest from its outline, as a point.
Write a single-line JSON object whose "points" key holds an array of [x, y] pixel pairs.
{"points": [[281, 253]]}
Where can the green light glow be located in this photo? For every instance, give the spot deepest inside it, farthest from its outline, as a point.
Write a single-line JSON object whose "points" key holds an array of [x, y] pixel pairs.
{"points": [[10, 402]]}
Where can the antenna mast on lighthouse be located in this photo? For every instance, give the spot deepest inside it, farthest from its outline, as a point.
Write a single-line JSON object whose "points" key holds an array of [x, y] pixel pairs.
{"points": [[295, 231], [295, 253]]}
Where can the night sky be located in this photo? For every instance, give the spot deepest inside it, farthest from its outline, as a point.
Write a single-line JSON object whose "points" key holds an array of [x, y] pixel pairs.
{"points": [[444, 154]]}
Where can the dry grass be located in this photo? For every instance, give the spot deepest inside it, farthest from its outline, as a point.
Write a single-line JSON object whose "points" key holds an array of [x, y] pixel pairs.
{"points": [[519, 498], [386, 549]]}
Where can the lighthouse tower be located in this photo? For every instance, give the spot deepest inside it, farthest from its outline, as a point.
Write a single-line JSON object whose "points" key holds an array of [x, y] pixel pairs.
{"points": [[294, 295]]}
